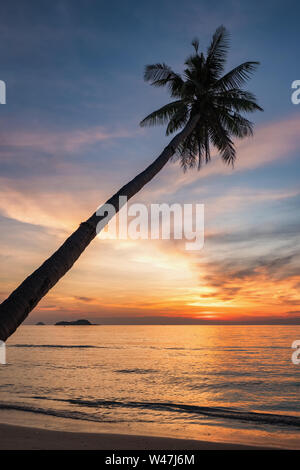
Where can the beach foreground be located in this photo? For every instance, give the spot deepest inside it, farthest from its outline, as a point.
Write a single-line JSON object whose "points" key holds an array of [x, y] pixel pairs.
{"points": [[26, 438]]}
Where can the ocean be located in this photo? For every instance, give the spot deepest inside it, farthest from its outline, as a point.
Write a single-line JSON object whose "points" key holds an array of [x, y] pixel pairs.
{"points": [[218, 383]]}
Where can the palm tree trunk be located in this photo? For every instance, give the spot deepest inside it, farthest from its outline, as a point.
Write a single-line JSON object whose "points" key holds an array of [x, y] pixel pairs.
{"points": [[19, 304]]}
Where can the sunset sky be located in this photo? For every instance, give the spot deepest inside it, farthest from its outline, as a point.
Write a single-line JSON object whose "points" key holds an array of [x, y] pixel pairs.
{"points": [[70, 137]]}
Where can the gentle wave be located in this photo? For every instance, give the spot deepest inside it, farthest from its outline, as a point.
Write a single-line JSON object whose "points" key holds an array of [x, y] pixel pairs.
{"points": [[136, 371], [214, 412], [63, 413]]}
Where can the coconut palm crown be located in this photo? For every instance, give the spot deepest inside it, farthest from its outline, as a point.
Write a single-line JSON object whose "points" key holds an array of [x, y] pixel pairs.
{"points": [[205, 90]]}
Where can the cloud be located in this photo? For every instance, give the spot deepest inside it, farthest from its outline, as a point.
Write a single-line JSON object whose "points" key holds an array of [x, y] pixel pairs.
{"points": [[59, 141], [61, 188], [240, 271], [283, 232], [270, 143], [260, 281], [84, 299], [293, 313]]}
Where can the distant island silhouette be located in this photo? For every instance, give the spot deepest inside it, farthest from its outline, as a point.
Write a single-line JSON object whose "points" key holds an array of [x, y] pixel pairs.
{"points": [[72, 323], [40, 323]]}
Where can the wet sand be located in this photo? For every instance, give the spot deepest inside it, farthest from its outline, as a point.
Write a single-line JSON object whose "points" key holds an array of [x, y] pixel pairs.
{"points": [[28, 438]]}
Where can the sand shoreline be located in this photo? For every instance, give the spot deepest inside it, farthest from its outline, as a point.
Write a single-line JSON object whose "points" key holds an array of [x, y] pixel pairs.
{"points": [[27, 438]]}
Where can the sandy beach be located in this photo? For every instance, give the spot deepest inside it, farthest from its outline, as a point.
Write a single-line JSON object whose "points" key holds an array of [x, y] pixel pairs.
{"points": [[26, 438]]}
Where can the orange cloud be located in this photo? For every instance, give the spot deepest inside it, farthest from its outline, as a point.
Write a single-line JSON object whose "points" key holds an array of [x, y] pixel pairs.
{"points": [[158, 278]]}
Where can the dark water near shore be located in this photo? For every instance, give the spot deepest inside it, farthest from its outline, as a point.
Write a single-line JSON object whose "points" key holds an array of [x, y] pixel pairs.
{"points": [[230, 383]]}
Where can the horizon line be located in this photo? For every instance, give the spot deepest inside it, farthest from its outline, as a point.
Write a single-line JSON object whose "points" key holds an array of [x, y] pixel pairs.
{"points": [[181, 322]]}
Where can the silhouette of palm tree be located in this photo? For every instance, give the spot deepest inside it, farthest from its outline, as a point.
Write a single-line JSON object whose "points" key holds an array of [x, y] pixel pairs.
{"points": [[206, 111]]}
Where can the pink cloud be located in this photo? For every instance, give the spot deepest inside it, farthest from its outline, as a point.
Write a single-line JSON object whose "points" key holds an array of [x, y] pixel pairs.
{"points": [[270, 143], [67, 141]]}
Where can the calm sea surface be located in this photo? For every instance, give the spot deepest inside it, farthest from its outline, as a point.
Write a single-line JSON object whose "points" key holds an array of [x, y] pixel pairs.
{"points": [[223, 383]]}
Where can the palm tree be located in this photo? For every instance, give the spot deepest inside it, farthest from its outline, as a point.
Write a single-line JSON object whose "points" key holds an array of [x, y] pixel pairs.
{"points": [[206, 110]]}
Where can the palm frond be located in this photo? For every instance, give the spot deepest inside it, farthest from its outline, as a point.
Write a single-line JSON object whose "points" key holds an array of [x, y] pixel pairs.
{"points": [[236, 124], [237, 100], [195, 63], [161, 75], [217, 51], [195, 44], [156, 72], [237, 76], [220, 138], [163, 114], [187, 153], [178, 120]]}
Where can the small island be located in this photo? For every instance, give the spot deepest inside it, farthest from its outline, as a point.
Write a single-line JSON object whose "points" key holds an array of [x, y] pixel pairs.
{"points": [[72, 323], [40, 323]]}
